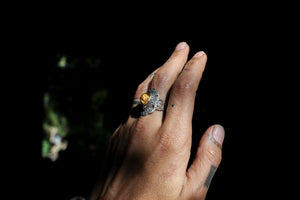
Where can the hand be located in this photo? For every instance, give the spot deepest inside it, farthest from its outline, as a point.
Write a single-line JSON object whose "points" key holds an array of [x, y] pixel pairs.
{"points": [[148, 155]]}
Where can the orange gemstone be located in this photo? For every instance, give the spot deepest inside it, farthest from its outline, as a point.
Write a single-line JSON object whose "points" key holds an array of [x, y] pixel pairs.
{"points": [[144, 98]]}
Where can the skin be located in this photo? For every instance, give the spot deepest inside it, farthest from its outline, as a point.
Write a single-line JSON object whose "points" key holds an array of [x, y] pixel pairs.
{"points": [[148, 156]]}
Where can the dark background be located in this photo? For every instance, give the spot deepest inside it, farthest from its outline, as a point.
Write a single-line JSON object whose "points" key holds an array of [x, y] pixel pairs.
{"points": [[241, 89]]}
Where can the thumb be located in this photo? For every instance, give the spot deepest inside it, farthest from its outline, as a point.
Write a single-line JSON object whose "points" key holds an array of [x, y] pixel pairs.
{"points": [[206, 162]]}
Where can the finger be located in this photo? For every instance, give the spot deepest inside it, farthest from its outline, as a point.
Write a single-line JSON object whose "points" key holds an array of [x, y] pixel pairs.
{"points": [[143, 88], [136, 104], [162, 81], [164, 78], [206, 161], [182, 97]]}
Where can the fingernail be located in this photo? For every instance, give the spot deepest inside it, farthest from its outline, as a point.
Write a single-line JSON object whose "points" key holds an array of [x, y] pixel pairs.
{"points": [[218, 134], [199, 54], [180, 46]]}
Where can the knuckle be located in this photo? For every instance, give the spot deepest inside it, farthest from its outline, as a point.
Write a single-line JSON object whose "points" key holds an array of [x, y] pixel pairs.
{"points": [[170, 148], [214, 155], [197, 62], [185, 86], [175, 145], [197, 65], [167, 145], [139, 133], [161, 77], [177, 58]]}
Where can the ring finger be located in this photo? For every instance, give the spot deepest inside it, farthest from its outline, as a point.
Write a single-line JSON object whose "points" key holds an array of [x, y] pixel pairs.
{"points": [[166, 75], [162, 80]]}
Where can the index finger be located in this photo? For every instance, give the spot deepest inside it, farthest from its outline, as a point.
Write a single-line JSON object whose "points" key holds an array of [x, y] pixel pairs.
{"points": [[182, 96]]}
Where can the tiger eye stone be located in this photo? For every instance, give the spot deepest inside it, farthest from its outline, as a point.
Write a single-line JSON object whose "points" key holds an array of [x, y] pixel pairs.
{"points": [[145, 98]]}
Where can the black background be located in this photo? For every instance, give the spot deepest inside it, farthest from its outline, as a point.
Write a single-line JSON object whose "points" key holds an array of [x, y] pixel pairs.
{"points": [[244, 87]]}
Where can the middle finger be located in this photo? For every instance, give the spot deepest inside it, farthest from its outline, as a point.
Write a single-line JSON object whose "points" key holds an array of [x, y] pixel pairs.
{"points": [[164, 78]]}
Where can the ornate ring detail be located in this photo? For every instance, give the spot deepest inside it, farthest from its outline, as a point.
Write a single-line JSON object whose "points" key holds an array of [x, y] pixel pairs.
{"points": [[151, 101]]}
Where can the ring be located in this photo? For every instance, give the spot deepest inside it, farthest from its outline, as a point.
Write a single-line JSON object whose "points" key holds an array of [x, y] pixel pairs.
{"points": [[151, 101]]}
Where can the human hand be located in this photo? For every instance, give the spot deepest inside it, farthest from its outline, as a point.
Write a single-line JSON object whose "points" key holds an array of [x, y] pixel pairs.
{"points": [[148, 155]]}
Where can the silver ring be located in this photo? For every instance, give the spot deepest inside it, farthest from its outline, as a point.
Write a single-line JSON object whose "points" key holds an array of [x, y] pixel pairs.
{"points": [[151, 101]]}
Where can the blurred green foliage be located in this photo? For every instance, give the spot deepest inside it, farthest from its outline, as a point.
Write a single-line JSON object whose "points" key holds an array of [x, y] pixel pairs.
{"points": [[53, 118], [74, 107]]}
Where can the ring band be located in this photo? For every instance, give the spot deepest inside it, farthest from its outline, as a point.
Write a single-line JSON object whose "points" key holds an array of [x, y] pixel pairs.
{"points": [[151, 101]]}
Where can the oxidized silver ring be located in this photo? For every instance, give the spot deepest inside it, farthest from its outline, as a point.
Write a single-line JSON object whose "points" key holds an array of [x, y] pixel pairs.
{"points": [[151, 101]]}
